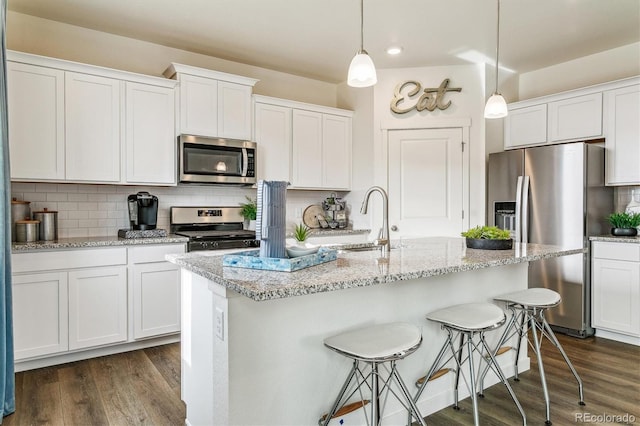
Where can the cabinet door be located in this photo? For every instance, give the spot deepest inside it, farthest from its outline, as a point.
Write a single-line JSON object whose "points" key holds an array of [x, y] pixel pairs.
{"points": [[622, 135], [616, 296], [150, 134], [92, 128], [97, 306], [156, 299], [576, 118], [36, 121], [39, 314], [273, 135], [526, 126], [198, 105], [234, 110], [336, 152], [306, 161]]}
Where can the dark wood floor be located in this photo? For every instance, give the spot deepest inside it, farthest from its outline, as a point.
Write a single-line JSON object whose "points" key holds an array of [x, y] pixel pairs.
{"points": [[143, 388]]}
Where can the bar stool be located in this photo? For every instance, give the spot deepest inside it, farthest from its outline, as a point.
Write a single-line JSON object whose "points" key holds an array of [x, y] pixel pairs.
{"points": [[528, 307], [466, 322], [374, 346]]}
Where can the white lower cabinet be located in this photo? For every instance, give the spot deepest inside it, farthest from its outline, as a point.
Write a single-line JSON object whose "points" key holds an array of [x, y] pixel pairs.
{"points": [[616, 290], [97, 307], [76, 300], [156, 291], [40, 314]]}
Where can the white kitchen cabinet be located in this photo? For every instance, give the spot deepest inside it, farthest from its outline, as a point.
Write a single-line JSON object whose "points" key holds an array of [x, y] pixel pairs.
{"points": [[40, 322], [273, 136], [92, 128], [336, 152], [576, 118], [525, 126], [36, 121], [306, 153], [97, 307], [156, 290], [622, 135], [212, 103], [616, 290], [150, 135]]}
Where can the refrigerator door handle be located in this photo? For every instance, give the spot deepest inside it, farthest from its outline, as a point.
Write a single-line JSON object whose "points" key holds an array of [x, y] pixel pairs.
{"points": [[525, 210], [518, 209]]}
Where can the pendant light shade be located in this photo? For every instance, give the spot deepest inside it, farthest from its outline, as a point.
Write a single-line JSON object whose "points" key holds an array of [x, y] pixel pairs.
{"points": [[496, 106], [362, 72]]}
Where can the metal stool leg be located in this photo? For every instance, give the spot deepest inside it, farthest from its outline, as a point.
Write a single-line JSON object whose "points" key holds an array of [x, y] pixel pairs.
{"points": [[343, 390], [543, 379], [522, 332], [474, 397], [459, 365]]}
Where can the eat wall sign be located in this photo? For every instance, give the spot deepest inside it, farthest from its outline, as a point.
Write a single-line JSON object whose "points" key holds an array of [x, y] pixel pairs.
{"points": [[410, 95]]}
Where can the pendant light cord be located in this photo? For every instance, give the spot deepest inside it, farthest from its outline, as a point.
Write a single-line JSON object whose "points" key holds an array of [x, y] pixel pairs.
{"points": [[497, 47], [361, 26]]}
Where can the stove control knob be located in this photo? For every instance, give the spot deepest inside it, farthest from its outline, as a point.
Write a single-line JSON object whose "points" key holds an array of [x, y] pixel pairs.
{"points": [[214, 244]]}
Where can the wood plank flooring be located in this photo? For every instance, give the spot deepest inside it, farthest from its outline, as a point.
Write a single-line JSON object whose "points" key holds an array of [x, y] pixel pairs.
{"points": [[143, 388]]}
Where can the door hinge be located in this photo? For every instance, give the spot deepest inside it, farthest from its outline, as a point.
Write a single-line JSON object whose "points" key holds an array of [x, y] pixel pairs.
{"points": [[463, 214], [462, 143]]}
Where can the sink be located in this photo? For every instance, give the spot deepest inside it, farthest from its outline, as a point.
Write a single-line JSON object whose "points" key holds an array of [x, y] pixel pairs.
{"points": [[359, 247]]}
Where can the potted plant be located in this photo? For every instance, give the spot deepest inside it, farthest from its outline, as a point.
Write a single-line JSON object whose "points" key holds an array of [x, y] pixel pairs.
{"points": [[249, 212], [624, 224], [301, 233], [488, 238]]}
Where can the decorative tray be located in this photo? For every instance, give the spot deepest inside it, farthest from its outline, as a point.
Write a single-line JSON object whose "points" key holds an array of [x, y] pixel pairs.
{"points": [[251, 259]]}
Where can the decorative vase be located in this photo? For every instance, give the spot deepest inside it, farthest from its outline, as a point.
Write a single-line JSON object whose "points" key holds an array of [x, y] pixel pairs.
{"points": [[624, 232], [484, 244]]}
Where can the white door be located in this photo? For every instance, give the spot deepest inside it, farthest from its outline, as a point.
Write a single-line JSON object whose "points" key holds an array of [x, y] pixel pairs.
{"points": [[198, 105], [425, 182], [273, 135], [336, 152], [307, 149], [156, 299], [234, 110]]}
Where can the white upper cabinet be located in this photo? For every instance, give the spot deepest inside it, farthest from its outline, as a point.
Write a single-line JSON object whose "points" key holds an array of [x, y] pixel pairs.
{"points": [[36, 95], [622, 135], [578, 115], [308, 145], [525, 126], [576, 118], [94, 124], [92, 128], [149, 134], [212, 103], [273, 136]]}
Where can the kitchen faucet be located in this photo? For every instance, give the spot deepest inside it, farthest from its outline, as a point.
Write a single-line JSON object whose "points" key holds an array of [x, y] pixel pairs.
{"points": [[383, 234]]}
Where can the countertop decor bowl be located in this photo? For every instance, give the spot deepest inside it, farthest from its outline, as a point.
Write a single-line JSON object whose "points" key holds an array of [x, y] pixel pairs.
{"points": [[484, 244], [294, 251], [624, 232]]}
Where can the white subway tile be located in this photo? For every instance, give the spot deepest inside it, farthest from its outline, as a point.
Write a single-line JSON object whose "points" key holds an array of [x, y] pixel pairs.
{"points": [[23, 187], [68, 206], [34, 196], [57, 196], [67, 223], [87, 206], [75, 232], [98, 214], [75, 214], [97, 197], [87, 223], [79, 196]]}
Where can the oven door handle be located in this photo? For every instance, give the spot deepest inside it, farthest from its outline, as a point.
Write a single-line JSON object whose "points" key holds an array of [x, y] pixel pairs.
{"points": [[245, 162]]}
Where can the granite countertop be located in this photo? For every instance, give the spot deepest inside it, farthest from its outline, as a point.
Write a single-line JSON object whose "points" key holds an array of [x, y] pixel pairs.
{"points": [[416, 258], [87, 242], [614, 239], [318, 232]]}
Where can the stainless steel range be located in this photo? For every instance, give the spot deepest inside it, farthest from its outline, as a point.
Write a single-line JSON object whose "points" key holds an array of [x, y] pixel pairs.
{"points": [[211, 228]]}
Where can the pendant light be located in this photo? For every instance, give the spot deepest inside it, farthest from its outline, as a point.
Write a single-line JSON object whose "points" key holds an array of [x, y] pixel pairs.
{"points": [[496, 106], [362, 72]]}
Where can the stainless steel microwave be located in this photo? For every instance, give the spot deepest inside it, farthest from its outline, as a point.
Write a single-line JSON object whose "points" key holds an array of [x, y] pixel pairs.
{"points": [[216, 160]]}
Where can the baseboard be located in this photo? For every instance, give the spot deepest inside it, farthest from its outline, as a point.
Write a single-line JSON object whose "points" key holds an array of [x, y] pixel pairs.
{"points": [[618, 337]]}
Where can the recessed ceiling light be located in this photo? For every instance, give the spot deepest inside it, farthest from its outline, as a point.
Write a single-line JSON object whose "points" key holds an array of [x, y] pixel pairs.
{"points": [[394, 50]]}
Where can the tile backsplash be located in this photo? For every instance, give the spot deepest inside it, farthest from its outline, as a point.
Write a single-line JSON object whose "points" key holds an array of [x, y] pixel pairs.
{"points": [[623, 195], [101, 210]]}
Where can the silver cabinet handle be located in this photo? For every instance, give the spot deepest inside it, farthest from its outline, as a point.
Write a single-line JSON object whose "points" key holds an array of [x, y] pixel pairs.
{"points": [[394, 228]]}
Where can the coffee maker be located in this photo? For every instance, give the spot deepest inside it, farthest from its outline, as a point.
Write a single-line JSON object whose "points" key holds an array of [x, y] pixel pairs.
{"points": [[143, 211]]}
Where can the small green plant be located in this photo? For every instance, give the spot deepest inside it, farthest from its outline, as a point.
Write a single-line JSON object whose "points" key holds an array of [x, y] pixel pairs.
{"points": [[624, 220], [301, 232], [249, 209], [487, 233]]}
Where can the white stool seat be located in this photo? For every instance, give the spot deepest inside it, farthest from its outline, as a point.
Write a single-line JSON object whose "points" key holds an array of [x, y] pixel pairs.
{"points": [[469, 316], [534, 297], [377, 341]]}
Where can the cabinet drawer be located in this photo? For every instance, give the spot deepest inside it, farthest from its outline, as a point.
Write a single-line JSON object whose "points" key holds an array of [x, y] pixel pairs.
{"points": [[67, 259], [616, 251], [149, 254]]}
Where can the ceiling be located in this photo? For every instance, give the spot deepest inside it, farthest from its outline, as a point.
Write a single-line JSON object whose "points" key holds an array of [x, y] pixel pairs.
{"points": [[318, 38]]}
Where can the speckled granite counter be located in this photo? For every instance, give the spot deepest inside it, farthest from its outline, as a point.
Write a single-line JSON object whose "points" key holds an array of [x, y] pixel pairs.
{"points": [[417, 258], [614, 239], [334, 232], [86, 242]]}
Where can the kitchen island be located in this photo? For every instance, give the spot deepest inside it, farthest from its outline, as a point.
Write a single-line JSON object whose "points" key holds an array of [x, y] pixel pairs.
{"points": [[252, 341]]}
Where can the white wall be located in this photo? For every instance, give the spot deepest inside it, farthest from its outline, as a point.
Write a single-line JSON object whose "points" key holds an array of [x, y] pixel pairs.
{"points": [[30, 34], [601, 67]]}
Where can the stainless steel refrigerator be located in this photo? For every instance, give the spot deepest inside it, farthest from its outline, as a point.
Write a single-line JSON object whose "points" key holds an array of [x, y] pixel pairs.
{"points": [[554, 195]]}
